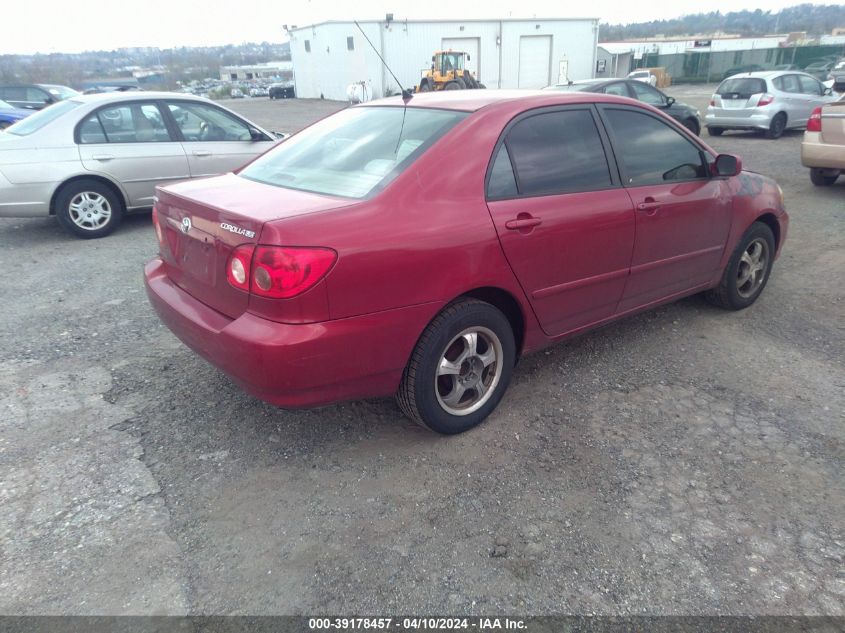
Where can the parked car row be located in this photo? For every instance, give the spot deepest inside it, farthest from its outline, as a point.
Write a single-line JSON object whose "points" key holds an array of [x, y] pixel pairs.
{"points": [[820, 68], [91, 158]]}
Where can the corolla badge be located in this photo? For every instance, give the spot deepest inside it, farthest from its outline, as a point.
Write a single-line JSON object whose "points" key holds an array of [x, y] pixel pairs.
{"points": [[186, 225], [237, 230]]}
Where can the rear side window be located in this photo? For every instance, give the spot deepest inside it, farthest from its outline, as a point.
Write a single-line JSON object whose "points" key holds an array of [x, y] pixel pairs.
{"points": [[743, 87], [125, 123], [809, 85], [616, 89], [652, 152], [787, 83], [558, 152], [502, 182]]}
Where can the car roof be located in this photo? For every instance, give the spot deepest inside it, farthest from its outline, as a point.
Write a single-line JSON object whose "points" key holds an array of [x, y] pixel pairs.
{"points": [[472, 100], [134, 95], [764, 74]]}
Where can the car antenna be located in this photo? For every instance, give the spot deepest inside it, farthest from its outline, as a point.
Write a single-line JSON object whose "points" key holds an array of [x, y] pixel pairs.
{"points": [[406, 94]]}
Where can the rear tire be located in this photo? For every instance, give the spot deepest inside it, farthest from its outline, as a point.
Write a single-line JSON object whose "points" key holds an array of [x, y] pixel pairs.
{"points": [[457, 84], [425, 86], [822, 177], [459, 369], [715, 131], [88, 209], [777, 126], [747, 271]]}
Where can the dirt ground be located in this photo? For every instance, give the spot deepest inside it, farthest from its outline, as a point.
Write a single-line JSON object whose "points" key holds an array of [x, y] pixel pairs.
{"points": [[684, 461]]}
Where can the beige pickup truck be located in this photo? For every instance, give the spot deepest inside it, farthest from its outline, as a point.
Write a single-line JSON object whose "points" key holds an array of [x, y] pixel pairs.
{"points": [[823, 148]]}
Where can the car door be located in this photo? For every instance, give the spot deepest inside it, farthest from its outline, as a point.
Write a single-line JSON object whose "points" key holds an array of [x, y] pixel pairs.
{"points": [[811, 96], [215, 141], [132, 143], [793, 100], [683, 216], [564, 221]]}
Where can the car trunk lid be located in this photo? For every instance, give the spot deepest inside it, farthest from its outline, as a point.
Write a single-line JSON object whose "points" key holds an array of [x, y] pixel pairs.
{"points": [[203, 221], [833, 123]]}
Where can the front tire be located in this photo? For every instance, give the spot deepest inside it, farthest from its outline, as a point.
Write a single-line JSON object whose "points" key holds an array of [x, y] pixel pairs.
{"points": [[747, 271], [460, 368], [822, 177], [88, 209]]}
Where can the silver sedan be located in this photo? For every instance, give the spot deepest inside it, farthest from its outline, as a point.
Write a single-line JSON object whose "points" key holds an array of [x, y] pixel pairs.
{"points": [[92, 158], [770, 102]]}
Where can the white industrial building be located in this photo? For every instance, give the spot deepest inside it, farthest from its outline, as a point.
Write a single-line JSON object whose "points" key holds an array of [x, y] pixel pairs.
{"points": [[267, 70], [512, 53]]}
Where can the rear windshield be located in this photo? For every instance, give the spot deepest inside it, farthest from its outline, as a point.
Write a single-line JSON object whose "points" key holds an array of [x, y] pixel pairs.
{"points": [[742, 86], [354, 152], [36, 121]]}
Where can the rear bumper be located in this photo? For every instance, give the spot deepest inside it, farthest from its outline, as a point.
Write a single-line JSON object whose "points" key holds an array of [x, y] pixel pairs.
{"points": [[294, 365], [755, 120], [814, 153]]}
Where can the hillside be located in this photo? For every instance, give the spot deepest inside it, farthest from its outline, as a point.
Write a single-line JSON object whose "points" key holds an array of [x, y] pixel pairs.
{"points": [[814, 19]]}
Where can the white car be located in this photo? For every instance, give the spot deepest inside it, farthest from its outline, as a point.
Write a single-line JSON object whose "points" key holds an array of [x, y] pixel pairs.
{"points": [[91, 158], [769, 102], [643, 75]]}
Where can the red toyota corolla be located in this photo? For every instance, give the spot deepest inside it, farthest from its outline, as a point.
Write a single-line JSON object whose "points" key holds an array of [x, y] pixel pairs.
{"points": [[419, 250]]}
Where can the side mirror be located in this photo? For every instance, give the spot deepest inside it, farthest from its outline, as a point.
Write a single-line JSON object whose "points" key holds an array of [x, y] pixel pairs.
{"points": [[727, 165], [280, 136], [670, 101], [256, 135], [827, 92]]}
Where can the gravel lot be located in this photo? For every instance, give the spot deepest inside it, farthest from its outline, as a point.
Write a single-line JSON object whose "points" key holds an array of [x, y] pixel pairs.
{"points": [[685, 461]]}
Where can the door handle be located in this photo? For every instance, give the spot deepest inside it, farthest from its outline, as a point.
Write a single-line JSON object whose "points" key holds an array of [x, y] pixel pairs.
{"points": [[524, 221], [202, 152], [649, 205], [102, 157]]}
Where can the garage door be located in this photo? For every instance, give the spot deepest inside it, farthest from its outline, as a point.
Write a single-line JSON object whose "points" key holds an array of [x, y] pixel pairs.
{"points": [[468, 45], [535, 61]]}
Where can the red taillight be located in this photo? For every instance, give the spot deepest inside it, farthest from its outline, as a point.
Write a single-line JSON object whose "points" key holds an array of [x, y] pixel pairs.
{"points": [[157, 226], [282, 272], [814, 123], [765, 99], [238, 267], [713, 101]]}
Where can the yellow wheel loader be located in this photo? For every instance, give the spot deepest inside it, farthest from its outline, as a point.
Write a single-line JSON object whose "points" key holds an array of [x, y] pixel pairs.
{"points": [[448, 72]]}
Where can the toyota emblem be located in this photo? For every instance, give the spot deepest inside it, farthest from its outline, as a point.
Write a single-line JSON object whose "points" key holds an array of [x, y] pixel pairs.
{"points": [[186, 225]]}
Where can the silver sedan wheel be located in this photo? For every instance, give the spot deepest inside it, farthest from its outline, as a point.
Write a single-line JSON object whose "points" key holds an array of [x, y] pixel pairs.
{"points": [[89, 210], [469, 371], [752, 268]]}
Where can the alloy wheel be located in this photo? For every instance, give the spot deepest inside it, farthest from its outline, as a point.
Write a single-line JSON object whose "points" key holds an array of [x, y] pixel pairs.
{"points": [[751, 271], [469, 371]]}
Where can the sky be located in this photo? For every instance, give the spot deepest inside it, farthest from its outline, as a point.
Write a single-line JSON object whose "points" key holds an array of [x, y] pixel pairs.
{"points": [[49, 26]]}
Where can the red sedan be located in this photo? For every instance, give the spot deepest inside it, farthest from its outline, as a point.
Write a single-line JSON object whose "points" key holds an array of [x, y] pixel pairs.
{"points": [[419, 250]]}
